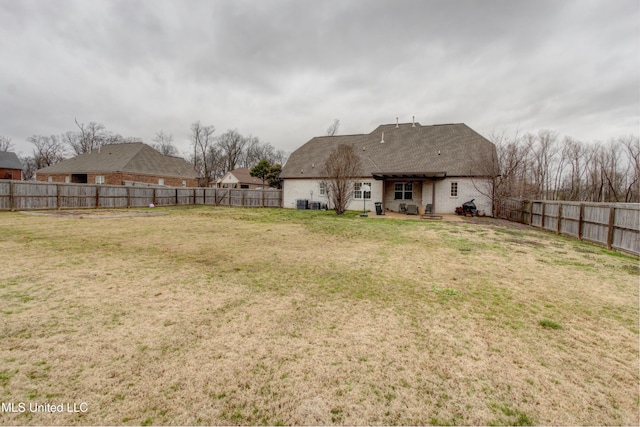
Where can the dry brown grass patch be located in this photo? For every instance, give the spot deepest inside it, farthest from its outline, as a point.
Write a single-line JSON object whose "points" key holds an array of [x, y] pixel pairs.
{"points": [[237, 316]]}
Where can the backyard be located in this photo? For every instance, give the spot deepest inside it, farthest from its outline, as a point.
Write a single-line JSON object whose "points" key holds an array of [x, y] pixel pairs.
{"points": [[270, 316]]}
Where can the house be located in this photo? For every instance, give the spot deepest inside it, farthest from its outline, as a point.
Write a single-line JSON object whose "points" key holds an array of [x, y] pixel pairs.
{"points": [[122, 164], [10, 166], [405, 164], [239, 178]]}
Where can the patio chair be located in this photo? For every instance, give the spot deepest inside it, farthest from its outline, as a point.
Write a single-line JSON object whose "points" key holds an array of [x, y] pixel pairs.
{"points": [[428, 213], [428, 209], [412, 209]]}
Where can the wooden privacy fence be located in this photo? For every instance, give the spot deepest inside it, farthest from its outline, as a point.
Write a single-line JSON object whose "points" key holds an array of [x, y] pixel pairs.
{"points": [[21, 195], [614, 225]]}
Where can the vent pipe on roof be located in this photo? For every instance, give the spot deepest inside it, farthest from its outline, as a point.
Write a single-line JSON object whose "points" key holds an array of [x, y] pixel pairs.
{"points": [[413, 122], [397, 124], [382, 140]]}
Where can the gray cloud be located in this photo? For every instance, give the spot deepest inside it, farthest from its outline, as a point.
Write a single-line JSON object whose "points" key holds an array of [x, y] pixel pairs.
{"points": [[283, 70]]}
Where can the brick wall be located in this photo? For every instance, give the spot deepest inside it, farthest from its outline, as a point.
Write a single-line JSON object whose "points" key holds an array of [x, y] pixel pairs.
{"points": [[119, 178], [15, 174]]}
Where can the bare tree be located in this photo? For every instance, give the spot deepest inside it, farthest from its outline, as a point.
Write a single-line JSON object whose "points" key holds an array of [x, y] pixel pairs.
{"points": [[28, 167], [88, 138], [48, 150], [164, 144], [333, 129], [231, 144], [5, 143], [205, 154], [256, 151], [632, 146], [339, 171]]}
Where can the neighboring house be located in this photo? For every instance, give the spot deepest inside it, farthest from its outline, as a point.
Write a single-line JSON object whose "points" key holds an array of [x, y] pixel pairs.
{"points": [[239, 178], [440, 165], [10, 166], [122, 164]]}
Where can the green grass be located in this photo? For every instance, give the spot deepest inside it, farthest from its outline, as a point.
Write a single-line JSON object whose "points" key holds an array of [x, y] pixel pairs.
{"points": [[549, 324]]}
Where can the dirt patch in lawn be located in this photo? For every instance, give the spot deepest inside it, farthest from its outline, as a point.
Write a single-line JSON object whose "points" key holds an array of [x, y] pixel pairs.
{"points": [[97, 213]]}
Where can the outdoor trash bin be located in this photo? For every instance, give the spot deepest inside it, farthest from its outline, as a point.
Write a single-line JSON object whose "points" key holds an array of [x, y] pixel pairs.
{"points": [[378, 208]]}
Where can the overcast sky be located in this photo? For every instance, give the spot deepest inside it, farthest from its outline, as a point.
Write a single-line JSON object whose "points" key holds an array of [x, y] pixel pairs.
{"points": [[283, 70]]}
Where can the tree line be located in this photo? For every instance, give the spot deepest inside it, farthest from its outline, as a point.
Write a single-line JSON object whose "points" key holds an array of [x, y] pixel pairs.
{"points": [[211, 155], [543, 165]]}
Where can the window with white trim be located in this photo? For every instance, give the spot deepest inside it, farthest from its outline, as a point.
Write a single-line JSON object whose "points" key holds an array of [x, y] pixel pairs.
{"points": [[160, 181], [454, 189], [357, 190], [323, 189], [403, 191], [99, 179]]}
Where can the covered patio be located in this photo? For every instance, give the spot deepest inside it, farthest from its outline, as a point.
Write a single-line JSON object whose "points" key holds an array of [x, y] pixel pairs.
{"points": [[412, 188]]}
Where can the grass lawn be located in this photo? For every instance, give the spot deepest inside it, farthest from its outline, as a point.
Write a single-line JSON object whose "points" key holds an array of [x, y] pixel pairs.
{"points": [[269, 316]]}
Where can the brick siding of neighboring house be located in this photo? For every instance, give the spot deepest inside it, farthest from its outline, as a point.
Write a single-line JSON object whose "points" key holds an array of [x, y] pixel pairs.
{"points": [[120, 178], [15, 174]]}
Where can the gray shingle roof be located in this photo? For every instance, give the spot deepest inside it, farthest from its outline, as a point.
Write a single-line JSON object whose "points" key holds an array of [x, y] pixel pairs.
{"points": [[9, 160], [454, 149], [133, 157]]}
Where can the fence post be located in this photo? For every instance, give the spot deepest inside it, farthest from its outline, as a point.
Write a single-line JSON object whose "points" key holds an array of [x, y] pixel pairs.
{"points": [[57, 196], [580, 221], [559, 218], [155, 199], [97, 196], [542, 220], [128, 197], [612, 214], [12, 196]]}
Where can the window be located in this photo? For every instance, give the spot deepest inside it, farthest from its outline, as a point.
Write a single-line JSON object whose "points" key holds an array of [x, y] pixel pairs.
{"points": [[184, 183], [160, 181], [67, 179], [323, 190], [99, 179], [454, 189], [357, 190], [50, 179], [244, 186], [403, 190]]}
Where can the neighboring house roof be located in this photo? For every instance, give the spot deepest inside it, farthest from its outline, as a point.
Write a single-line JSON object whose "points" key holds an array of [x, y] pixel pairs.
{"points": [[241, 175], [9, 160], [421, 151], [130, 157]]}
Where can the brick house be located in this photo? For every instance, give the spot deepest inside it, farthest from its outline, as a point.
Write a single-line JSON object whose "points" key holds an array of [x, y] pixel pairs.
{"points": [[402, 164], [10, 166], [122, 164]]}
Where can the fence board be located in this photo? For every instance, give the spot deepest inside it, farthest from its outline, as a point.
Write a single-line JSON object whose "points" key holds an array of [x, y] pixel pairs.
{"points": [[165, 197], [22, 195], [140, 196], [113, 197], [587, 221], [34, 195], [75, 196], [5, 195]]}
